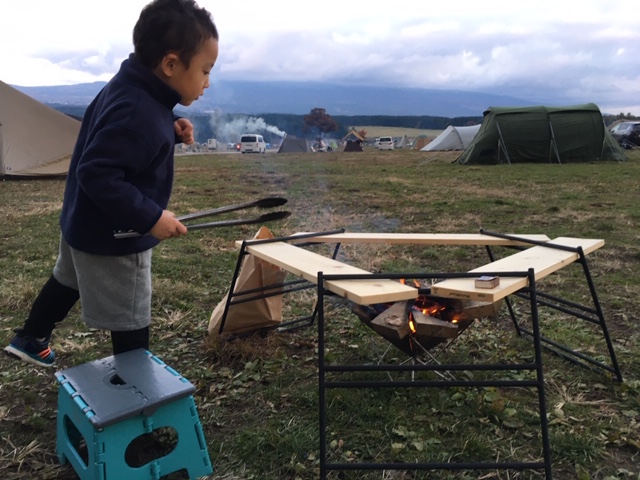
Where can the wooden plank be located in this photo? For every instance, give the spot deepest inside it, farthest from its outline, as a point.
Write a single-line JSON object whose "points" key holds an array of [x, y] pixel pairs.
{"points": [[543, 260], [422, 238], [306, 264]]}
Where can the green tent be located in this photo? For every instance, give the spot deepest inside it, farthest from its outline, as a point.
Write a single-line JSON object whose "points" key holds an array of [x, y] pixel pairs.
{"points": [[542, 135]]}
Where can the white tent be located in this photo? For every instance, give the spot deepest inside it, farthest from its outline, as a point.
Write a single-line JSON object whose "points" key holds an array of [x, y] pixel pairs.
{"points": [[34, 139], [452, 138]]}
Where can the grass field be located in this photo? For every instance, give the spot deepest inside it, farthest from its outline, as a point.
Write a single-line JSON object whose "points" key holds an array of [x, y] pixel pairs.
{"points": [[257, 396]]}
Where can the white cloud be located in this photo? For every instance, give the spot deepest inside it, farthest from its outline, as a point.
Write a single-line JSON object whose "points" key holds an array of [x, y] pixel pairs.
{"points": [[351, 39], [543, 48]]}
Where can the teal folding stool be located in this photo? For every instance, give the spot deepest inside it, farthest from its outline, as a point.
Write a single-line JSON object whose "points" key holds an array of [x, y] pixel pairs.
{"points": [[111, 402]]}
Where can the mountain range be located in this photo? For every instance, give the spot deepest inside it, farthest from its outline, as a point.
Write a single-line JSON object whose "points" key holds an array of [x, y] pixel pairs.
{"points": [[255, 98]]}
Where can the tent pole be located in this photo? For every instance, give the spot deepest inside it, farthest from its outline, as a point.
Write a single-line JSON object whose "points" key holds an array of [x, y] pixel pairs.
{"points": [[459, 137], [554, 145], [501, 143], [604, 140]]}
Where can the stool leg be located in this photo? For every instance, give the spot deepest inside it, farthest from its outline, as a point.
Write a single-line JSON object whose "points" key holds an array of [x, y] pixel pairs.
{"points": [[191, 451], [72, 426]]}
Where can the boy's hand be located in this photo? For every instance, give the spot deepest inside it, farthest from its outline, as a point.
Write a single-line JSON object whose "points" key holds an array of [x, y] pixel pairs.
{"points": [[168, 226], [184, 130]]}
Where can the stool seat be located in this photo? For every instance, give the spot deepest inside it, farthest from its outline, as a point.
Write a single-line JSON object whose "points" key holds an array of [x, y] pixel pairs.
{"points": [[124, 385], [112, 401]]}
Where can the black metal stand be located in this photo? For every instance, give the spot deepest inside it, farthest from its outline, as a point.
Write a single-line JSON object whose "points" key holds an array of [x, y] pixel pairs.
{"points": [[589, 314], [530, 293], [537, 384]]}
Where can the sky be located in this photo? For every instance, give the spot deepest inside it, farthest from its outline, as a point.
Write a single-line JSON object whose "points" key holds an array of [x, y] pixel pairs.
{"points": [[542, 51]]}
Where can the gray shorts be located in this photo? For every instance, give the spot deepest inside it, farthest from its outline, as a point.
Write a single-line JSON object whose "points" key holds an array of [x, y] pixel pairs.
{"points": [[115, 291]]}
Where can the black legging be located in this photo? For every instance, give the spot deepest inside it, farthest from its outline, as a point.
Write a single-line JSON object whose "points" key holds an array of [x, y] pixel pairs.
{"points": [[53, 304], [130, 340]]}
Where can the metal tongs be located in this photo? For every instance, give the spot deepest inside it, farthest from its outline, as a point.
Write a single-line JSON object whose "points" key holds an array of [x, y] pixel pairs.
{"points": [[268, 202]]}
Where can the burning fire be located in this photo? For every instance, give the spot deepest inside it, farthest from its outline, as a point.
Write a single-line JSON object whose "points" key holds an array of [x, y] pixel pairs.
{"points": [[426, 306], [425, 322]]}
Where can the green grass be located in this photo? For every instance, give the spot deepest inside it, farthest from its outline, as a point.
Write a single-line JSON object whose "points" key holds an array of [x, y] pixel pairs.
{"points": [[257, 396]]}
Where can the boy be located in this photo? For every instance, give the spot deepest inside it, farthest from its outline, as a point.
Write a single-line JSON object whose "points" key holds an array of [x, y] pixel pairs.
{"points": [[120, 179]]}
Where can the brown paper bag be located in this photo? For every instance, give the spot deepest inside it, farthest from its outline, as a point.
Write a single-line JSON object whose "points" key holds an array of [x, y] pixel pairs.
{"points": [[256, 314]]}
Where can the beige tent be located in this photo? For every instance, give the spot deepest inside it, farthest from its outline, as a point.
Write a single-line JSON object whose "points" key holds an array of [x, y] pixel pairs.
{"points": [[34, 139], [420, 142], [452, 138]]}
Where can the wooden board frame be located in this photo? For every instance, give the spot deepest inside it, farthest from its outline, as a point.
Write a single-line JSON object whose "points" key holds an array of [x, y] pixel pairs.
{"points": [[423, 238], [307, 264], [544, 261]]}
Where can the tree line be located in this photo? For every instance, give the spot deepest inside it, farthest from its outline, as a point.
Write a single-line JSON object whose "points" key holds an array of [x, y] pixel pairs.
{"points": [[319, 123]]}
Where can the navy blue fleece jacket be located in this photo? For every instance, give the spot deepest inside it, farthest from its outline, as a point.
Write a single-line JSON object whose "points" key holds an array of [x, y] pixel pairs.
{"points": [[121, 171]]}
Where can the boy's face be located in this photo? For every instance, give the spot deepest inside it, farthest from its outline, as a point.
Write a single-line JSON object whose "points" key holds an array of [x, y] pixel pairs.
{"points": [[190, 82]]}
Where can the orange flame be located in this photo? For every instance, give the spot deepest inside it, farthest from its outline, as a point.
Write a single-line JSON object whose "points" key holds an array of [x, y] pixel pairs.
{"points": [[428, 307], [412, 325]]}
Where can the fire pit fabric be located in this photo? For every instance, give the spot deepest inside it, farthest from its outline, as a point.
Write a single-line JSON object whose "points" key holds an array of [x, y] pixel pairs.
{"points": [[424, 323]]}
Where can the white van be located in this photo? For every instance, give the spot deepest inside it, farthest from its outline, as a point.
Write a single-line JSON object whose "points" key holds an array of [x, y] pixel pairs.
{"points": [[386, 143], [252, 143]]}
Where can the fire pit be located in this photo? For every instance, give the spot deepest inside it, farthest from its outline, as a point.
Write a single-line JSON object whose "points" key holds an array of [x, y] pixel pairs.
{"points": [[422, 324], [415, 318]]}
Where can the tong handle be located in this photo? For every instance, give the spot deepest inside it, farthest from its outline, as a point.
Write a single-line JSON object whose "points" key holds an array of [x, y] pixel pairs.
{"points": [[267, 202], [267, 217]]}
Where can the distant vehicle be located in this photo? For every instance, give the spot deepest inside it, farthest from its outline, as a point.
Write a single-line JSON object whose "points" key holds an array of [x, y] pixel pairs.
{"points": [[386, 143], [212, 144], [252, 143], [627, 134]]}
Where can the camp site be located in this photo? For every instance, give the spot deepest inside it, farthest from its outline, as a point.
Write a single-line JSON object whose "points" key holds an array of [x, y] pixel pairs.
{"points": [[466, 310]]}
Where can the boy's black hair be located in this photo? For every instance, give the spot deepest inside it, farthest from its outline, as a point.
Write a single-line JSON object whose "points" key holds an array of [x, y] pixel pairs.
{"points": [[171, 26]]}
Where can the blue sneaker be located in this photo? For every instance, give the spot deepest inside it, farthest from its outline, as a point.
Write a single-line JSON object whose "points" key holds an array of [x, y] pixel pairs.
{"points": [[31, 349]]}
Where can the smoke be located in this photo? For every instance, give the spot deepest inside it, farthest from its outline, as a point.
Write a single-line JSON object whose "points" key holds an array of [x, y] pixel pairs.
{"points": [[229, 129]]}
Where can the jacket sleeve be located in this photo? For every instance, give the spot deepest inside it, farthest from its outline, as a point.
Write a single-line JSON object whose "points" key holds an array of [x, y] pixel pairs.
{"points": [[175, 119]]}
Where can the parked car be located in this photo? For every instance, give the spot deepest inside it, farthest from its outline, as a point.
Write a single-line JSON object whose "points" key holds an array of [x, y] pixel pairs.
{"points": [[386, 143], [627, 134], [252, 143]]}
